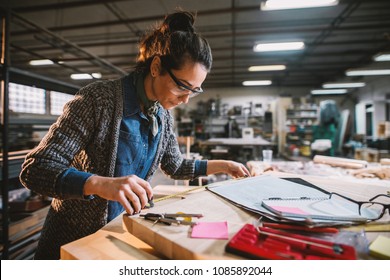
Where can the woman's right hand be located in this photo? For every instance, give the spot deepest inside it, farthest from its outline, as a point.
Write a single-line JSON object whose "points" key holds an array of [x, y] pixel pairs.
{"points": [[132, 192]]}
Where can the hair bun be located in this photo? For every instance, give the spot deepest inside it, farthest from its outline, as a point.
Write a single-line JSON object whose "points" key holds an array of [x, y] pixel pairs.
{"points": [[180, 21]]}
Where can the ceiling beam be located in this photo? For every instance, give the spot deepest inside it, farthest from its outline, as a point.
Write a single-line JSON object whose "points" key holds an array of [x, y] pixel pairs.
{"points": [[66, 45], [62, 6]]}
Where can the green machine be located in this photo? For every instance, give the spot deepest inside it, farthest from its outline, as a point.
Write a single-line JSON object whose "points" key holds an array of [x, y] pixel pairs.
{"points": [[327, 127]]}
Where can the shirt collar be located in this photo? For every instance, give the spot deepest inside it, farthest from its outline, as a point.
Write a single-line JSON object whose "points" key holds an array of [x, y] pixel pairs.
{"points": [[130, 98]]}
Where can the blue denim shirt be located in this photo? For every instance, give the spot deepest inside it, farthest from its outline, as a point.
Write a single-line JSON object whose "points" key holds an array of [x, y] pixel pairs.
{"points": [[136, 147]]}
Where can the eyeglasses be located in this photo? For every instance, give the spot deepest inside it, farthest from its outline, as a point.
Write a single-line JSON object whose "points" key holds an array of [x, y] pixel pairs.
{"points": [[181, 88], [370, 209]]}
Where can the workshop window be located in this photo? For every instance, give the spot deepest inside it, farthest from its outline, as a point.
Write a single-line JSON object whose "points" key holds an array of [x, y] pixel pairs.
{"points": [[57, 102], [26, 99]]}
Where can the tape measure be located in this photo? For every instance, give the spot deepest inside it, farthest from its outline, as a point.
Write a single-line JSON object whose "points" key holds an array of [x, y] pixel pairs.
{"points": [[151, 203]]}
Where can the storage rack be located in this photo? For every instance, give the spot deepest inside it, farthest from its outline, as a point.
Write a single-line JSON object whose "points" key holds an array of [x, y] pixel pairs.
{"points": [[299, 126], [20, 234]]}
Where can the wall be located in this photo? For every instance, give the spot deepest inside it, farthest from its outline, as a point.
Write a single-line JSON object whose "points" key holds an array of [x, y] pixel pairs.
{"points": [[375, 90], [374, 93]]}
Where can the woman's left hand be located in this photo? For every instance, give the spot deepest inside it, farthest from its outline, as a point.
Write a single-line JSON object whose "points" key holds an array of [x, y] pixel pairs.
{"points": [[234, 169]]}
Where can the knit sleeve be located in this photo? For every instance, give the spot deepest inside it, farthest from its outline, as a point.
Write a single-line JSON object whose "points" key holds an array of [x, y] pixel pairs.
{"points": [[173, 163], [55, 153]]}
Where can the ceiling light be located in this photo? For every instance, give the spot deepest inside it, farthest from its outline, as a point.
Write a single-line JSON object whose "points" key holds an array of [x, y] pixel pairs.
{"points": [[97, 75], [368, 72], [382, 57], [81, 76], [40, 62], [85, 76], [296, 4], [257, 83], [283, 46], [329, 91], [266, 68], [343, 85]]}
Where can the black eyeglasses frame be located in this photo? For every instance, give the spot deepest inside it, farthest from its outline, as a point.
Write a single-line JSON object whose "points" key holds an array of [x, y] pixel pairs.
{"points": [[194, 92], [360, 203]]}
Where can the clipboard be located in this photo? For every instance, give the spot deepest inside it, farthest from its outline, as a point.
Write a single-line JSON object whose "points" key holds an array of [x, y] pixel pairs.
{"points": [[249, 194]]}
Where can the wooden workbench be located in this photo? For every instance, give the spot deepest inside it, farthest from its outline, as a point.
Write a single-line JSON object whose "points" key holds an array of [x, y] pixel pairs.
{"points": [[111, 242], [123, 240]]}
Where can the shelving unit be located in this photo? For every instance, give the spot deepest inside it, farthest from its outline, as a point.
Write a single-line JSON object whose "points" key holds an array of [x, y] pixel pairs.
{"points": [[299, 123], [24, 229], [202, 128], [4, 62], [23, 212], [22, 216], [205, 127]]}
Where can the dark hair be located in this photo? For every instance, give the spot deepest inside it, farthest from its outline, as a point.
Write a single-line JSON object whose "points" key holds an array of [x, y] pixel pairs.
{"points": [[175, 42]]}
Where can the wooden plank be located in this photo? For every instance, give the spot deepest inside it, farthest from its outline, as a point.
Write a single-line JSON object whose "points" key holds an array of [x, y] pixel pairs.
{"points": [[15, 238], [104, 246], [30, 221], [112, 242], [340, 162]]}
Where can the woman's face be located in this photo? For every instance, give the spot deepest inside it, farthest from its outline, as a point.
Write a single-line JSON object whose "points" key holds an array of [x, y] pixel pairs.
{"points": [[175, 87]]}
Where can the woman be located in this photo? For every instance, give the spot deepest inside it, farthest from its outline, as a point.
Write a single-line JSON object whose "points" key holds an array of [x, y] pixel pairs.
{"points": [[97, 159]]}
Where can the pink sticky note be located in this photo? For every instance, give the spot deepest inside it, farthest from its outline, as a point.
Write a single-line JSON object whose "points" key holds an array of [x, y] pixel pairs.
{"points": [[292, 210], [216, 230]]}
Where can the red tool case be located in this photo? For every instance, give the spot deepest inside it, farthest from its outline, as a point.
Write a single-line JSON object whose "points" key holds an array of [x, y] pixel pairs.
{"points": [[269, 243]]}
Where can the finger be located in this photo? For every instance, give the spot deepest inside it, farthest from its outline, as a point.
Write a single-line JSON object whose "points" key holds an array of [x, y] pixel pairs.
{"points": [[141, 194], [141, 189], [146, 186], [246, 172], [235, 172], [125, 203], [134, 200], [241, 171]]}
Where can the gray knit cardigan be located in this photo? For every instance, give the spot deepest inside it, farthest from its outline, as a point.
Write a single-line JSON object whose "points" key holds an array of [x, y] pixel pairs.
{"points": [[85, 137]]}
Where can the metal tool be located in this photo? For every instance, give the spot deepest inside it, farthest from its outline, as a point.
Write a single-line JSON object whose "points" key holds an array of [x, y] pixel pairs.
{"points": [[170, 219]]}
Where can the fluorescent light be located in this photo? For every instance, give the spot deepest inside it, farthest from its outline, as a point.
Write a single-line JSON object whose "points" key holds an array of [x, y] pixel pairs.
{"points": [[97, 75], [257, 83], [267, 68], [368, 72], [295, 4], [81, 76], [329, 91], [343, 85], [382, 57], [283, 46], [40, 62], [85, 76]]}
